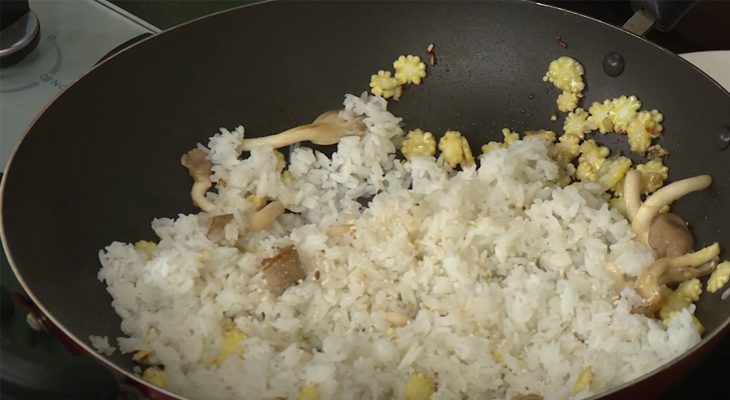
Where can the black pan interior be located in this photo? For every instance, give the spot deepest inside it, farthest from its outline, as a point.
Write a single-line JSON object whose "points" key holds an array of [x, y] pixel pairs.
{"points": [[103, 160]]}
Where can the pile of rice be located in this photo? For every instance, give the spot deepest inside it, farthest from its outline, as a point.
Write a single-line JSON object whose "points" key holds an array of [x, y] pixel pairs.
{"points": [[500, 273]]}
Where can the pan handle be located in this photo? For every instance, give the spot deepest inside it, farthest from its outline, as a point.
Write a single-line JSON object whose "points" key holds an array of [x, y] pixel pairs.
{"points": [[663, 14]]}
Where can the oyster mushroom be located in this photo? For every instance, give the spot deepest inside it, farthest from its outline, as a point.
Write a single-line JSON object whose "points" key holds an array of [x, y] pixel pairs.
{"points": [[284, 269], [664, 196], [651, 285], [199, 168], [669, 236], [327, 129]]}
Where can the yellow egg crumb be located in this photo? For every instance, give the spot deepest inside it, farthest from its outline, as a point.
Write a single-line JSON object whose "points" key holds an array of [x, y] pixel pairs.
{"points": [[566, 74], [576, 123], [491, 146], [567, 101], [685, 294], [612, 172], [155, 376], [623, 110], [309, 392], [645, 126], [409, 69], [592, 157], [543, 134], [455, 149], [601, 116], [583, 382], [418, 144], [419, 387], [653, 175], [231, 345], [719, 277], [698, 325], [258, 202], [146, 247], [383, 84]]}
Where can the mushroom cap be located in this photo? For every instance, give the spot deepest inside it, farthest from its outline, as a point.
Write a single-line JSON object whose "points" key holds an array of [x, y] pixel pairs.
{"points": [[669, 236]]}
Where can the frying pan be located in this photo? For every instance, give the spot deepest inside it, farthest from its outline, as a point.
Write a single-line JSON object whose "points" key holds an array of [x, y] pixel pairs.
{"points": [[103, 160]]}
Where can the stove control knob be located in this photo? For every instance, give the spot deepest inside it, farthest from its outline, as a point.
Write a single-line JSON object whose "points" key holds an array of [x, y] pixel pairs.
{"points": [[19, 31]]}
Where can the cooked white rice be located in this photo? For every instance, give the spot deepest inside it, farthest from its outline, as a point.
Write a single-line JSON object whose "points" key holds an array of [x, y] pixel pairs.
{"points": [[501, 274]]}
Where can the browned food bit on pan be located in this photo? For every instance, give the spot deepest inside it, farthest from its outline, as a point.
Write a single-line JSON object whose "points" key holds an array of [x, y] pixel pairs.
{"points": [[431, 54], [561, 43], [669, 236], [199, 168], [656, 151], [284, 269], [528, 396], [217, 223], [327, 129]]}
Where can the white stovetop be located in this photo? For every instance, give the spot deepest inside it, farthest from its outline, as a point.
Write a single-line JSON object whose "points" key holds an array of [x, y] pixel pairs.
{"points": [[75, 34]]}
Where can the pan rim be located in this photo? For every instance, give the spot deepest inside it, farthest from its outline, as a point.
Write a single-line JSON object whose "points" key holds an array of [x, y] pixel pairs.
{"points": [[714, 337]]}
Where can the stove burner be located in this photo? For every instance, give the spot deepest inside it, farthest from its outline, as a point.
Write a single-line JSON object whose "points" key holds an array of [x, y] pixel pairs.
{"points": [[45, 77]]}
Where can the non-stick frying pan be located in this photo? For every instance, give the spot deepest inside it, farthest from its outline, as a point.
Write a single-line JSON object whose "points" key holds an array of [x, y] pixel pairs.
{"points": [[103, 160]]}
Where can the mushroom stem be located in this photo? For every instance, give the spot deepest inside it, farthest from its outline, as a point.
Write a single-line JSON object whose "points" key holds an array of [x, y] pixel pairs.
{"points": [[197, 193], [263, 218], [327, 129], [650, 285], [199, 168], [632, 193], [664, 196]]}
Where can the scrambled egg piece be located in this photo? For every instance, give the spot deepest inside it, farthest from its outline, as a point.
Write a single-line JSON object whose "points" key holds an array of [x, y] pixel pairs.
{"points": [[258, 202], [564, 152], [155, 376], [653, 175], [384, 85], [719, 277], [619, 204], [146, 248], [142, 356], [455, 149], [542, 134], [286, 176], [419, 387], [231, 345], [309, 392], [567, 101], [686, 293], [497, 357], [491, 146], [645, 126], [592, 157], [566, 74], [417, 144], [583, 381], [601, 116], [509, 138], [623, 111], [612, 172], [409, 69], [576, 123]]}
